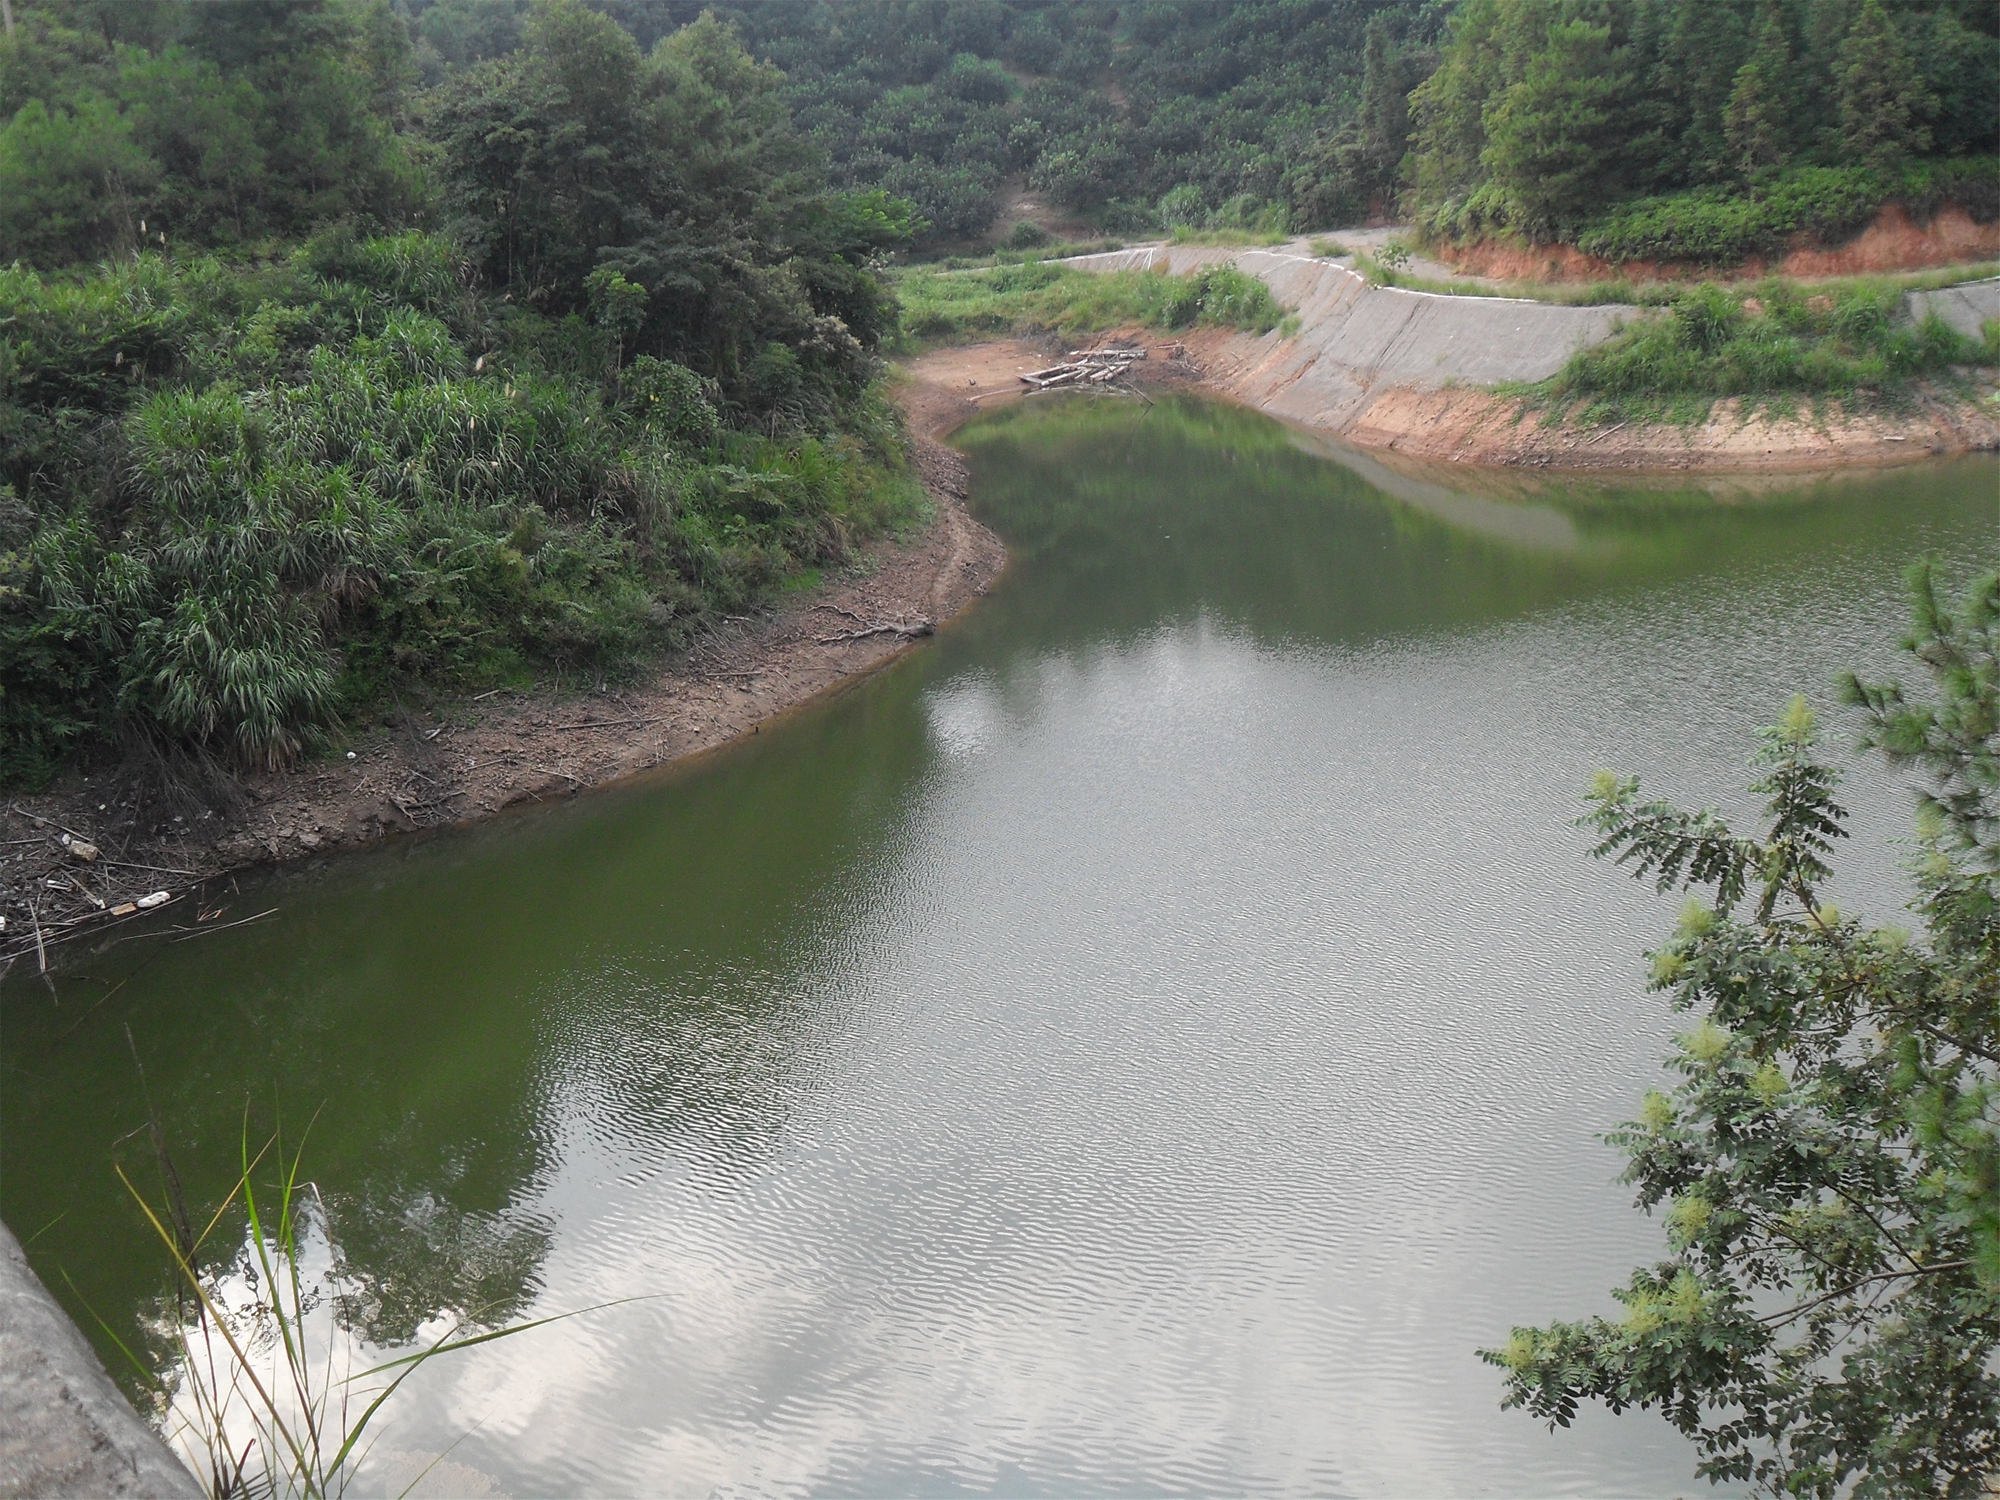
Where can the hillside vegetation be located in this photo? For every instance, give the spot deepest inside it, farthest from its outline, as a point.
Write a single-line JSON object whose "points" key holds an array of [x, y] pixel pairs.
{"points": [[349, 344], [1703, 130], [1128, 114], [582, 362], [1774, 347]]}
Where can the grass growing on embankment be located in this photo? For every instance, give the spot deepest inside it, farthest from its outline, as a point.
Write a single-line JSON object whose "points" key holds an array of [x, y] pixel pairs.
{"points": [[951, 306], [1779, 346], [1622, 291]]}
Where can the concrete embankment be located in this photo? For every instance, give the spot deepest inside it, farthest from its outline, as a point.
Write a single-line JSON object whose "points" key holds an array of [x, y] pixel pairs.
{"points": [[65, 1429], [1354, 338], [1388, 368]]}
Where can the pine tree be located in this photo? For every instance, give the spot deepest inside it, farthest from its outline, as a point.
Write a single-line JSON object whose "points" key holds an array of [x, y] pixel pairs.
{"points": [[1552, 138], [1759, 119], [1882, 98]]}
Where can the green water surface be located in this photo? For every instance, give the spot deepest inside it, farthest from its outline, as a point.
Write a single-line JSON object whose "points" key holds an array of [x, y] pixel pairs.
{"points": [[1142, 1041]]}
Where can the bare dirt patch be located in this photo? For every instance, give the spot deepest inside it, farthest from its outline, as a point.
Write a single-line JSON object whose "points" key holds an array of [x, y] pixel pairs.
{"points": [[1892, 242], [1477, 427], [103, 851]]}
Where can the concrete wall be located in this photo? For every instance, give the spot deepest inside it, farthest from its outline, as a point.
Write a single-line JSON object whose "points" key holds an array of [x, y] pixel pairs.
{"points": [[1354, 337], [1967, 308], [65, 1429]]}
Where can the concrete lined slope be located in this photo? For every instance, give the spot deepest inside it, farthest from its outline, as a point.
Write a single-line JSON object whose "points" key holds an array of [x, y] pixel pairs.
{"points": [[65, 1429], [1968, 308], [1354, 337]]}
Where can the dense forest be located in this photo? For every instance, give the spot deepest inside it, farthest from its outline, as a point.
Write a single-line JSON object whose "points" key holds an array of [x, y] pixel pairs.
{"points": [[1209, 112], [1703, 129]]}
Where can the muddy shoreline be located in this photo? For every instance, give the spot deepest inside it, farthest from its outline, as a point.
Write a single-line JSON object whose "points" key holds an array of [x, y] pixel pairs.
{"points": [[99, 852], [1419, 374]]}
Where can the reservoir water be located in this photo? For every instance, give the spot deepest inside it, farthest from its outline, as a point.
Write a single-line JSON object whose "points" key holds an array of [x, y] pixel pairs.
{"points": [[1144, 1041]]}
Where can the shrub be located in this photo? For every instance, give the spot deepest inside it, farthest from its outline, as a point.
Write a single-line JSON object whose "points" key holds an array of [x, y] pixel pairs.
{"points": [[234, 500], [1711, 342], [1723, 226]]}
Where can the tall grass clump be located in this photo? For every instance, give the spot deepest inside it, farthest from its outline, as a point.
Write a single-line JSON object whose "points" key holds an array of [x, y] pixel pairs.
{"points": [[241, 503], [1777, 343], [943, 307], [265, 1391]]}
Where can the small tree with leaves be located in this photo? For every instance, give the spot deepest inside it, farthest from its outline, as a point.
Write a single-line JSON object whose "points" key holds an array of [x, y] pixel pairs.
{"points": [[1828, 1321]]}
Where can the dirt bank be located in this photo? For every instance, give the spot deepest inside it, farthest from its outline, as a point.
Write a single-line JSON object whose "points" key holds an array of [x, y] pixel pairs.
{"points": [[1470, 426], [1463, 424], [78, 861], [1893, 241]]}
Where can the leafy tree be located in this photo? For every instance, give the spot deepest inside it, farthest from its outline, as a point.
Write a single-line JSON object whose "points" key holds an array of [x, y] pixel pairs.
{"points": [[1829, 1162], [1882, 98], [1448, 111], [68, 180], [215, 123], [1552, 137], [1385, 115]]}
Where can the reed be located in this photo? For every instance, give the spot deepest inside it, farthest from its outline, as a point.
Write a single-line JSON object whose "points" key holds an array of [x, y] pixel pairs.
{"points": [[264, 1399]]}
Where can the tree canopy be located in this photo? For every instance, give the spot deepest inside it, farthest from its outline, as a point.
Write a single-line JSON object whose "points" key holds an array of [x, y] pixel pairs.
{"points": [[220, 123], [1828, 1161], [1542, 112]]}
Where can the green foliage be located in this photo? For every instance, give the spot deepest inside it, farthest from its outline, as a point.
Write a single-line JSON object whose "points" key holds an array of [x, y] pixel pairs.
{"points": [[1829, 1161], [1714, 226], [942, 306], [1104, 107], [238, 499], [666, 194], [1713, 342], [1882, 99], [204, 123], [1727, 126], [1551, 136]]}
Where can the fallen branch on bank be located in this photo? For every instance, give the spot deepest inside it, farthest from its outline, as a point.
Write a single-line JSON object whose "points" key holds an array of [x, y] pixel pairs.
{"points": [[911, 632]]}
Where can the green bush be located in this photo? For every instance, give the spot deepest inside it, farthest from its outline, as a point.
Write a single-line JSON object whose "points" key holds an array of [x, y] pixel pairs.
{"points": [[1724, 226], [1713, 342], [238, 501]]}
